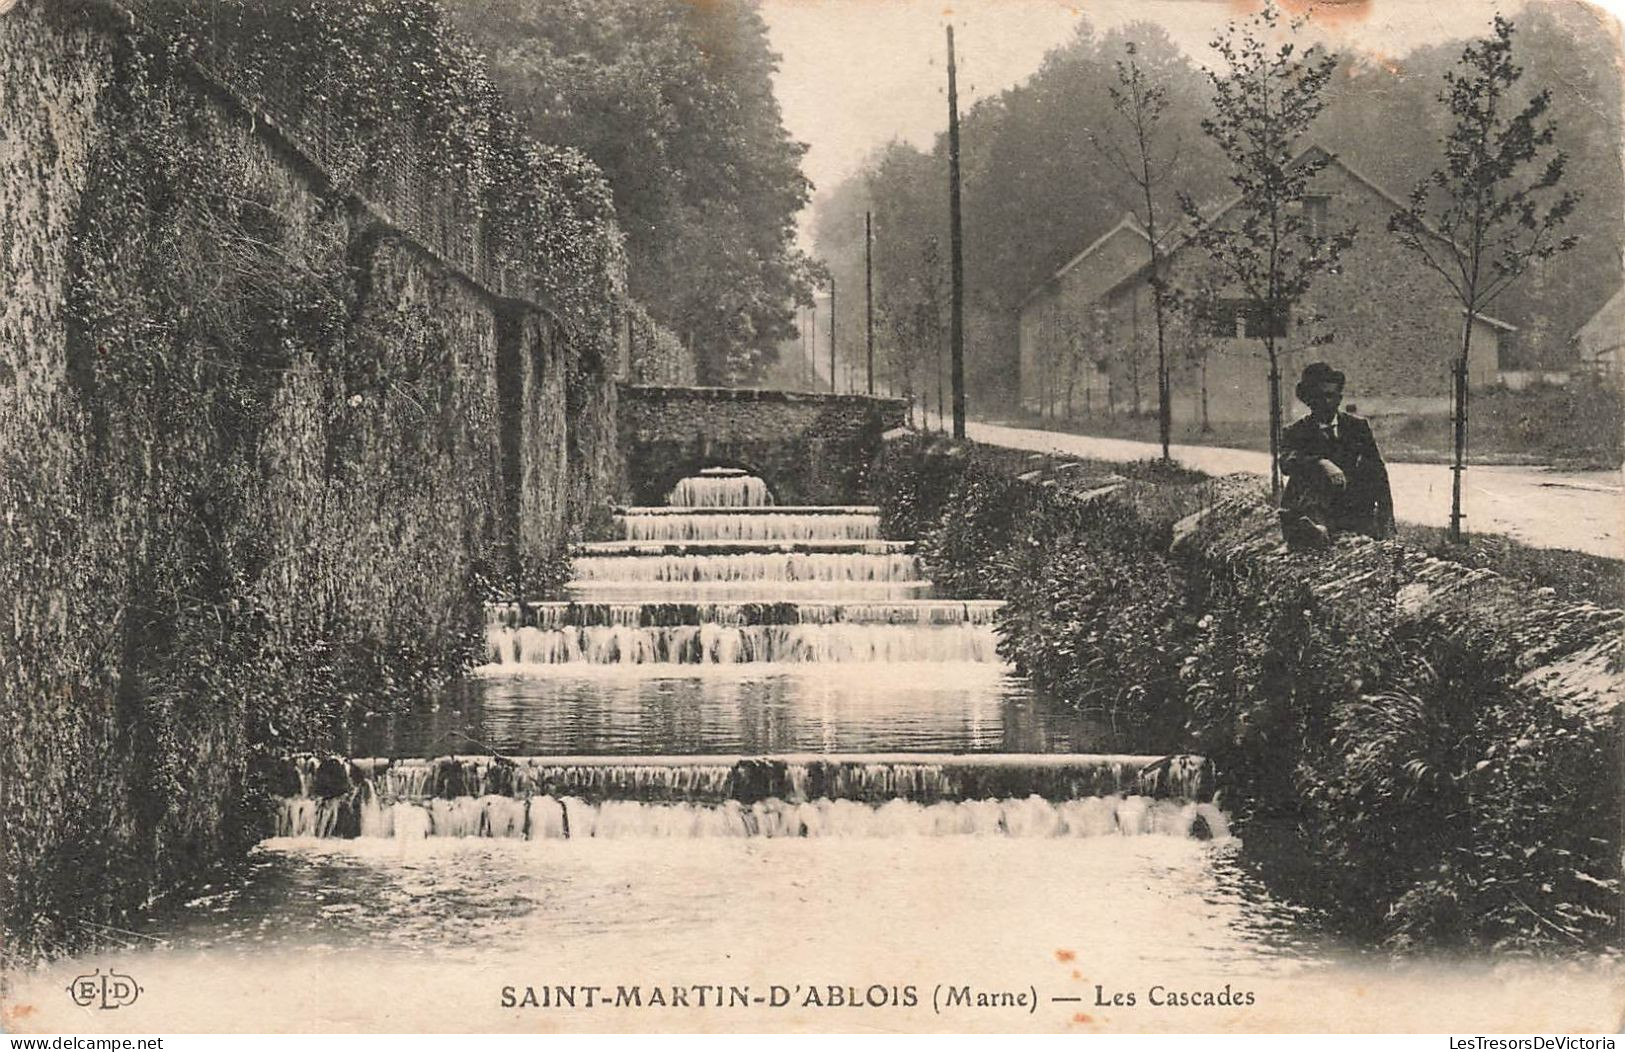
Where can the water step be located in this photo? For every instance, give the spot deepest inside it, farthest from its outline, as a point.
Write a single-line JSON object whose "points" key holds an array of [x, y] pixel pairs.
{"points": [[628, 567], [766, 546], [771, 565], [651, 614], [750, 525], [717, 489], [796, 778], [770, 509], [546, 817], [762, 590], [512, 649]]}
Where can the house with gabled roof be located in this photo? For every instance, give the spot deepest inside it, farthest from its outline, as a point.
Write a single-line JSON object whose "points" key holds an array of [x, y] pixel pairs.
{"points": [[1059, 322], [1088, 337], [1600, 342]]}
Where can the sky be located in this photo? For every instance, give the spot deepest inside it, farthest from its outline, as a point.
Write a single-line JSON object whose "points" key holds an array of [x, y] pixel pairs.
{"points": [[855, 74]]}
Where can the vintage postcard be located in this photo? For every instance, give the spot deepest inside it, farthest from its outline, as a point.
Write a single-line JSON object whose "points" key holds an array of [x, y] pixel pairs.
{"points": [[812, 516]]}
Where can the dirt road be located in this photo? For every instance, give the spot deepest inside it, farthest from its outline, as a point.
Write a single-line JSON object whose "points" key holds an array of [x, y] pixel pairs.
{"points": [[1584, 511]]}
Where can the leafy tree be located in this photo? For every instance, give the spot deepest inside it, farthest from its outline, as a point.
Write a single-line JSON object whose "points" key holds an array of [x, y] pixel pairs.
{"points": [[1140, 101], [1493, 210], [674, 101], [1025, 155], [904, 189], [912, 319], [1265, 99], [1385, 118], [1074, 325]]}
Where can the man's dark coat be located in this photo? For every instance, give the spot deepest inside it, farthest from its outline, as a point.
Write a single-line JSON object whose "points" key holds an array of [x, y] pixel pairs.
{"points": [[1365, 505]]}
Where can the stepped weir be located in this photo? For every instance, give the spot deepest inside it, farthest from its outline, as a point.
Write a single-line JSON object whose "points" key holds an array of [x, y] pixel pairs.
{"points": [[723, 581]]}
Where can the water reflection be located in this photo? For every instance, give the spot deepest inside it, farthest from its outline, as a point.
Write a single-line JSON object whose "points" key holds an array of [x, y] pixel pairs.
{"points": [[484, 899], [749, 709]]}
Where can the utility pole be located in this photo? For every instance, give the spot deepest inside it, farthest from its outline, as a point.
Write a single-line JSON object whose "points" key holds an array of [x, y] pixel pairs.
{"points": [[832, 334], [812, 347], [869, 293], [957, 242]]}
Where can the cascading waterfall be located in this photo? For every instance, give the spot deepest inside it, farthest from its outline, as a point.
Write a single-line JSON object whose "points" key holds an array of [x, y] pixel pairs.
{"points": [[754, 524], [806, 796], [715, 644], [791, 565], [556, 818], [723, 578], [731, 549], [798, 777], [747, 590], [812, 612], [720, 488]]}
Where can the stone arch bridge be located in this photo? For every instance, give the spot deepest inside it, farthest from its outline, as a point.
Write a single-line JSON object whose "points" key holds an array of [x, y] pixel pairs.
{"points": [[808, 448]]}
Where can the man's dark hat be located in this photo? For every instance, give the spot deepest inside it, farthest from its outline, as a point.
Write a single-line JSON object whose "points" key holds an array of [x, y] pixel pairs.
{"points": [[1315, 374], [1319, 372]]}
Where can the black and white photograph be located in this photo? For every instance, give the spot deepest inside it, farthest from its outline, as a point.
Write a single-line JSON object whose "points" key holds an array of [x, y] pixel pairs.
{"points": [[1080, 517]]}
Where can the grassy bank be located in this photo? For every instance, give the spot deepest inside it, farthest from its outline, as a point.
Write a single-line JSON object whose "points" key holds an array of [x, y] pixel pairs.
{"points": [[1428, 741]]}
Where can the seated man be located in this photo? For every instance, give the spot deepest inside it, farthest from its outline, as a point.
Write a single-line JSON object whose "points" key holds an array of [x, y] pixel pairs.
{"points": [[1336, 480]]}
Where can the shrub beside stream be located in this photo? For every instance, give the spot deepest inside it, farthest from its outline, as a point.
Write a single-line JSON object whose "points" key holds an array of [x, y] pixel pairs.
{"points": [[1428, 752]]}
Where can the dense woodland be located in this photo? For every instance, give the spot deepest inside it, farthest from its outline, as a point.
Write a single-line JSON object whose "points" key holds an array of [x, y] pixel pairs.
{"points": [[1038, 188], [674, 102]]}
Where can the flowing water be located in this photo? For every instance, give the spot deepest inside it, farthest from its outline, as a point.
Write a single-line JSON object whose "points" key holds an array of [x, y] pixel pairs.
{"points": [[755, 749]]}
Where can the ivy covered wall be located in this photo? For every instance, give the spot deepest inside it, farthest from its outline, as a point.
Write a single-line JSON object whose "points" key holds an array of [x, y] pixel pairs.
{"points": [[276, 413]]}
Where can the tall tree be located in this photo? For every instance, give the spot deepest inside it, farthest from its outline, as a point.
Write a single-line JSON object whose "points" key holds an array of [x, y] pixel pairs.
{"points": [[1493, 209], [674, 101], [1139, 101], [1386, 120], [1265, 97], [905, 190]]}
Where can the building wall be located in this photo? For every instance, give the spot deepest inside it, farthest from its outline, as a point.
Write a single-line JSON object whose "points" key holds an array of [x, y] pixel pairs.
{"points": [[1071, 299]]}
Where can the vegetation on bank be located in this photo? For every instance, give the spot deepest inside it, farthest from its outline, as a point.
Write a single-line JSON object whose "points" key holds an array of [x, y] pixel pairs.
{"points": [[1377, 718], [1575, 576]]}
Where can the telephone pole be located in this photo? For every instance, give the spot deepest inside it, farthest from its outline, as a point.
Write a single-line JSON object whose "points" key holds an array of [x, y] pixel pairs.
{"points": [[869, 293], [832, 334], [957, 242]]}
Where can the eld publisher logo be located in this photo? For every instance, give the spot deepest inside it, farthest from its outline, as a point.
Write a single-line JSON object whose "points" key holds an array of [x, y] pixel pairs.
{"points": [[106, 992]]}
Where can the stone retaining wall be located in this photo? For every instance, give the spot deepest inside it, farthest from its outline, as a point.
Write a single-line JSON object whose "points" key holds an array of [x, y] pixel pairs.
{"points": [[809, 448]]}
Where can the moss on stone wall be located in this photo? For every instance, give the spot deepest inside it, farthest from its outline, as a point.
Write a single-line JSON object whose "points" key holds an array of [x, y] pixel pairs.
{"points": [[253, 449], [1428, 752], [655, 354]]}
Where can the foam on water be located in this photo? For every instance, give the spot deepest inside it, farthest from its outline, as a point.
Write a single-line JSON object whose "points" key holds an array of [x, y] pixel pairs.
{"points": [[555, 615], [799, 526], [720, 490], [715, 644], [546, 817]]}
